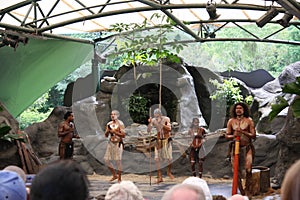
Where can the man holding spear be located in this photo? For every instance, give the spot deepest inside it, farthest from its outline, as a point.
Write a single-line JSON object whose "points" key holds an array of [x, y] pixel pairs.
{"points": [[163, 148], [240, 128]]}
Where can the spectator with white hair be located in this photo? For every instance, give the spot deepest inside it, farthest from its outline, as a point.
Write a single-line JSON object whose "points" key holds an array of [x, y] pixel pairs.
{"points": [[125, 190], [201, 183], [184, 191]]}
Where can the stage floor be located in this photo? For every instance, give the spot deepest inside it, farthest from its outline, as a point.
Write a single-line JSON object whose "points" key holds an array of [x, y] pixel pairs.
{"points": [[153, 191]]}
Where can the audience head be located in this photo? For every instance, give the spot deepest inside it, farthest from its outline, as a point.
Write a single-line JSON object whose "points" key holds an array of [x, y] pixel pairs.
{"points": [[61, 180], [238, 197], [199, 182], [219, 197], [184, 191], [290, 188], [125, 190], [12, 186], [16, 169]]}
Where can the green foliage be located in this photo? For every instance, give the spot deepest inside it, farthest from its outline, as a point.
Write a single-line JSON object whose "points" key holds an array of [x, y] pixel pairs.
{"points": [[228, 91], [245, 56], [40, 104], [53, 99], [5, 135], [29, 116], [281, 103], [43, 106], [4, 129], [145, 45], [137, 106], [37, 112]]}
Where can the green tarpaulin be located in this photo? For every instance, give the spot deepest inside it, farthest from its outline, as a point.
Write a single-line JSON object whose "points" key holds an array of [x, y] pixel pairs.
{"points": [[30, 70]]}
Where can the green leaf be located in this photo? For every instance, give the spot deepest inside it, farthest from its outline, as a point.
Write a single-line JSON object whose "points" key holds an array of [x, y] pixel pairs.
{"points": [[296, 108], [291, 88], [11, 136], [4, 130], [277, 108]]}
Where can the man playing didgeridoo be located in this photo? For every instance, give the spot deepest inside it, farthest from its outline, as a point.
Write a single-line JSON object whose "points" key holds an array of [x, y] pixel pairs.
{"points": [[240, 124]]}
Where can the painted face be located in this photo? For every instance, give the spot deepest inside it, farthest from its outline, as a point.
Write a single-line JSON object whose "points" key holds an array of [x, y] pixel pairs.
{"points": [[156, 115], [239, 110], [114, 116], [196, 122]]}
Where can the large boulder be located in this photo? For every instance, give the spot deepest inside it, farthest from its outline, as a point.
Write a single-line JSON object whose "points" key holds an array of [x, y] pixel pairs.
{"points": [[43, 135], [250, 78], [289, 145]]}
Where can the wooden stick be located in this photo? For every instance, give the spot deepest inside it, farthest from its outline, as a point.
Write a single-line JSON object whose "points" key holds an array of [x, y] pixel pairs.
{"points": [[150, 173], [236, 165]]}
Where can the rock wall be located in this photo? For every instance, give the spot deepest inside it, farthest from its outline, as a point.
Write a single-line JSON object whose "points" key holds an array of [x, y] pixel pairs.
{"points": [[289, 145]]}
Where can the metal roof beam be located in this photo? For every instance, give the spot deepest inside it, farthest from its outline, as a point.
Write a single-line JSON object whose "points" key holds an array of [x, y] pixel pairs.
{"points": [[237, 21], [175, 19], [50, 11], [16, 6], [21, 32], [291, 6], [153, 6], [98, 15], [184, 27], [84, 6]]}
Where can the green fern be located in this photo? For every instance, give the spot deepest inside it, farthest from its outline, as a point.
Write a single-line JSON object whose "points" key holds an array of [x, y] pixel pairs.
{"points": [[5, 135]]}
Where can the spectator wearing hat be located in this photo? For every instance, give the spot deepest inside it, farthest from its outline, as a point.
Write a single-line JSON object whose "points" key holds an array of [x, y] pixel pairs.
{"points": [[12, 186], [21, 173], [16, 169]]}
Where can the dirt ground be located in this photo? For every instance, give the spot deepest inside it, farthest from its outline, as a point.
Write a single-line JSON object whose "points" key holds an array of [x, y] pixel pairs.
{"points": [[136, 178], [146, 178]]}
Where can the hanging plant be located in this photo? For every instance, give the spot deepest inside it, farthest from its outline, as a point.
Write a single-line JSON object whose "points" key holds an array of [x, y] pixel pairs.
{"points": [[228, 91], [141, 44]]}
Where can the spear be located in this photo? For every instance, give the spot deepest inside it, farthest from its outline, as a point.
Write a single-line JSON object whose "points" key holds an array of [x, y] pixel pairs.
{"points": [[150, 175]]}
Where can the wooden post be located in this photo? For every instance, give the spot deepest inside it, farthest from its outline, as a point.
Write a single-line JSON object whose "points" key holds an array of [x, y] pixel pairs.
{"points": [[236, 165], [254, 188], [150, 173]]}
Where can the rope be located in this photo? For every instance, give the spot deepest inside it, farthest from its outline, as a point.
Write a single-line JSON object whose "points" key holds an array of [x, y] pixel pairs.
{"points": [[160, 70]]}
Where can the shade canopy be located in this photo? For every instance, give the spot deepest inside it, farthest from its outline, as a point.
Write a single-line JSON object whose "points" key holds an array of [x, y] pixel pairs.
{"points": [[70, 16], [31, 70]]}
